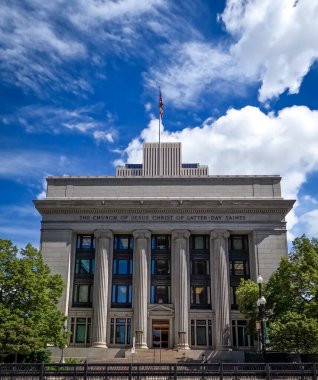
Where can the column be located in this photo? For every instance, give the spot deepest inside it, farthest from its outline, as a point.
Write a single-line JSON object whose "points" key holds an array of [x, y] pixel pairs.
{"points": [[140, 287], [221, 286], [181, 278], [100, 296]]}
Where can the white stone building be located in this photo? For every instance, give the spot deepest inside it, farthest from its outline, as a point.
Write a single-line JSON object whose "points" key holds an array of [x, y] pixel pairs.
{"points": [[156, 252]]}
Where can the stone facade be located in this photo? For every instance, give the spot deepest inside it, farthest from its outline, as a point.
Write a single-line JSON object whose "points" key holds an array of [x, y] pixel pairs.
{"points": [[156, 259]]}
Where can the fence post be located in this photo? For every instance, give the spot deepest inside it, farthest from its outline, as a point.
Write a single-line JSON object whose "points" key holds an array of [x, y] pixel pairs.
{"points": [[85, 370], [314, 371], [221, 371], [268, 374], [175, 371], [42, 371], [129, 371]]}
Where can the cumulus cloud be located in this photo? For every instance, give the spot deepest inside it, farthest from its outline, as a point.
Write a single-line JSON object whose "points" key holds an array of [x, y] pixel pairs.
{"points": [[248, 141], [272, 42]]}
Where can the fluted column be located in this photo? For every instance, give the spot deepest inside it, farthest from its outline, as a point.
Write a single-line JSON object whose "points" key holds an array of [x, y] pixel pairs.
{"points": [[140, 285], [100, 296], [221, 288], [181, 278]]}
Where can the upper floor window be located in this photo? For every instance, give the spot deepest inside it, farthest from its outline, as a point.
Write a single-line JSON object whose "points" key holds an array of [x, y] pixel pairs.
{"points": [[160, 242], [199, 242], [123, 243], [160, 266], [200, 267], [85, 242], [200, 296], [121, 295], [238, 243], [239, 267], [84, 266], [122, 266]]}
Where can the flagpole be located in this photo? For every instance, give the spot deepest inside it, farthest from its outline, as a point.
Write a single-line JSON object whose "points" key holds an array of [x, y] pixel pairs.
{"points": [[159, 155]]}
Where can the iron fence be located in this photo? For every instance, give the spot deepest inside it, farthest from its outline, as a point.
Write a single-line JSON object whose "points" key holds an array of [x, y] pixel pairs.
{"points": [[151, 371]]}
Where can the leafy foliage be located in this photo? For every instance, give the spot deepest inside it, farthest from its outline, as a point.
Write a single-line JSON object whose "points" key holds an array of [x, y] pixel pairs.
{"points": [[29, 294], [292, 300], [247, 294]]}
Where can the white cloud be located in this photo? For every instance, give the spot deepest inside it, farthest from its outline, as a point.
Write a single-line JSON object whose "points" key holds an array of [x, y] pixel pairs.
{"points": [[309, 222], [273, 42], [42, 194], [248, 141], [277, 41], [103, 136]]}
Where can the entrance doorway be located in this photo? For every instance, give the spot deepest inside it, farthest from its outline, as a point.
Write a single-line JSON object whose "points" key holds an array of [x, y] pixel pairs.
{"points": [[160, 333]]}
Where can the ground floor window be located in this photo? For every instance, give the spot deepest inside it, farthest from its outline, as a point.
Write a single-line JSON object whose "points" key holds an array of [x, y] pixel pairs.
{"points": [[80, 330], [120, 330], [201, 332], [240, 337]]}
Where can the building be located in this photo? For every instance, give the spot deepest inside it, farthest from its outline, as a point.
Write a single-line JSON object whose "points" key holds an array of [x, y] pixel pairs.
{"points": [[155, 253]]}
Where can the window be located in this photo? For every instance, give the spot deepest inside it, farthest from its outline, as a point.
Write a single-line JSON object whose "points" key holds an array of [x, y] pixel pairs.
{"points": [[122, 266], [85, 242], [200, 267], [122, 271], [123, 243], [83, 294], [80, 330], [200, 295], [240, 337], [121, 295], [160, 242], [160, 266], [160, 294], [120, 330], [201, 332], [239, 263], [160, 291], [199, 242], [239, 267], [84, 266], [84, 270]]}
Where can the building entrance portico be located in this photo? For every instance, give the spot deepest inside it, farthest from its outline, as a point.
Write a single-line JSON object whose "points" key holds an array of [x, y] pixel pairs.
{"points": [[160, 333]]}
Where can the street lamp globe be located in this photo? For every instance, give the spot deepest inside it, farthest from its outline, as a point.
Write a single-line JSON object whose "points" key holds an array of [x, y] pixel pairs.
{"points": [[260, 279]]}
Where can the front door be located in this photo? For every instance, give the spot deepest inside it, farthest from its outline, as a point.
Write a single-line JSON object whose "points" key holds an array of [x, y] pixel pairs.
{"points": [[160, 333]]}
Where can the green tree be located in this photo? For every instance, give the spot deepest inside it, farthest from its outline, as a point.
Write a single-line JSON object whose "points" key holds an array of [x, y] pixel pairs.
{"points": [[247, 295], [294, 332], [292, 299], [29, 294]]}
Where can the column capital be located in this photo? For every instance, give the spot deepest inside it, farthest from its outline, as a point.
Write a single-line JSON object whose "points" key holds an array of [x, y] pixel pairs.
{"points": [[180, 234], [141, 234], [103, 234], [219, 234]]}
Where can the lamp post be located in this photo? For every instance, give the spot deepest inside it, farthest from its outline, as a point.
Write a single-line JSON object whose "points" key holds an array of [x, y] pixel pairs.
{"points": [[62, 360], [261, 302]]}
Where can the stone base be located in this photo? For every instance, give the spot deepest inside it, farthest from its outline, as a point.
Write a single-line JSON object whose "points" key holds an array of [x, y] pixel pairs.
{"points": [[182, 347], [99, 345]]}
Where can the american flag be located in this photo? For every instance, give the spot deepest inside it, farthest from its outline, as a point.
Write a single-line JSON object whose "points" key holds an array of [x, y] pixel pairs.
{"points": [[160, 105]]}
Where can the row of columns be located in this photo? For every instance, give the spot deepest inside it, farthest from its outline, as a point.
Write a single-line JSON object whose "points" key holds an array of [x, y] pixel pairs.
{"points": [[180, 255]]}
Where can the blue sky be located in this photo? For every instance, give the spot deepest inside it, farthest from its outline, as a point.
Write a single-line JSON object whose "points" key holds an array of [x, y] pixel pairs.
{"points": [[79, 94]]}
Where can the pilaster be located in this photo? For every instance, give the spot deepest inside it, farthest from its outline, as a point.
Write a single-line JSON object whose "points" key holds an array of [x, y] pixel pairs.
{"points": [[221, 286], [140, 286], [100, 296], [181, 278]]}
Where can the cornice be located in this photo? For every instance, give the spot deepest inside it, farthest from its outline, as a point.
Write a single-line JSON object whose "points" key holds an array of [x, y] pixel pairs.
{"points": [[168, 206]]}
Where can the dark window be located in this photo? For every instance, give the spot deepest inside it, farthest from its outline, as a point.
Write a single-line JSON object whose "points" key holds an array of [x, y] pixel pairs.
{"points": [[123, 243], [161, 242], [84, 270], [85, 242], [239, 263], [160, 294], [201, 332], [240, 337], [121, 295], [200, 267], [199, 242], [120, 331], [200, 295], [80, 330], [83, 294], [160, 266], [160, 269]]}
